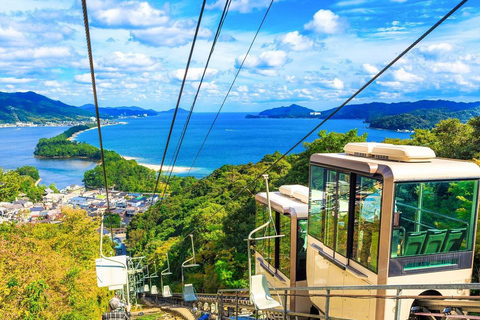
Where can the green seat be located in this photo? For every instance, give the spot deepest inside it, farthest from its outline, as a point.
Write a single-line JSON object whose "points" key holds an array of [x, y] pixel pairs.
{"points": [[414, 243], [454, 239], [434, 241]]}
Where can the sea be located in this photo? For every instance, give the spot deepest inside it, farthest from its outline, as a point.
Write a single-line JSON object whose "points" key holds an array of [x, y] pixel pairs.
{"points": [[234, 140]]}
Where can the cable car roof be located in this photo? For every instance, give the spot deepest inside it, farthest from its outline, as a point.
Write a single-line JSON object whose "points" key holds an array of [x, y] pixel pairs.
{"points": [[284, 204], [434, 169]]}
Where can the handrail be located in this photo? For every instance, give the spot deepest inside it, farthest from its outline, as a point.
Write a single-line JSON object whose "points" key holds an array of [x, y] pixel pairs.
{"points": [[432, 212]]}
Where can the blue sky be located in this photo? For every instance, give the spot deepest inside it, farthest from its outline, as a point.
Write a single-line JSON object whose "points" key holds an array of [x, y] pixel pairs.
{"points": [[310, 52]]}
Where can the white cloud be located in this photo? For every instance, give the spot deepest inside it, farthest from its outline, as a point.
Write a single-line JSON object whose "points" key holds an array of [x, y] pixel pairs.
{"points": [[437, 48], [38, 53], [267, 59], [347, 3], [242, 89], [10, 35], [16, 80], [127, 14], [404, 76], [172, 36], [464, 83], [267, 72], [194, 74], [369, 68], [52, 83], [325, 21], [294, 41], [242, 6], [456, 67], [335, 84], [126, 62], [290, 79], [83, 78], [390, 84]]}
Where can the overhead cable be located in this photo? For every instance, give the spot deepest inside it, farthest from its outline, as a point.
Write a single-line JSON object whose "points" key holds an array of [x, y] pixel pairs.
{"points": [[231, 86], [184, 131], [97, 114], [339, 108], [178, 101]]}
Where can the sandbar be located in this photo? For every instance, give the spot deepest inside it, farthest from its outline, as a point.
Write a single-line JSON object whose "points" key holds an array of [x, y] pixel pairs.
{"points": [[155, 167]]}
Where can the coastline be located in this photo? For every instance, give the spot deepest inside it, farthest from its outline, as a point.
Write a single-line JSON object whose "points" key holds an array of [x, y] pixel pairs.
{"points": [[155, 167], [72, 138]]}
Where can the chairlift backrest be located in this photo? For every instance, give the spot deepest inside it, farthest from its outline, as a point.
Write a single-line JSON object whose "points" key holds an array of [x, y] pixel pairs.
{"points": [[167, 292], [189, 293], [111, 271], [260, 293], [154, 290]]}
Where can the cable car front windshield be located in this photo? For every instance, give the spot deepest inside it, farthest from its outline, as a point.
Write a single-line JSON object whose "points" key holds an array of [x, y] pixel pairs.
{"points": [[434, 217]]}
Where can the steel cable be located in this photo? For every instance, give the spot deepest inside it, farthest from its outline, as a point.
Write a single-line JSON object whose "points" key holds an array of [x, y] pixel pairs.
{"points": [[337, 110]]}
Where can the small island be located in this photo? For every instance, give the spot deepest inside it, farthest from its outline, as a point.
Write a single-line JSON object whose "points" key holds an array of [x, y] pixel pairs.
{"points": [[292, 111]]}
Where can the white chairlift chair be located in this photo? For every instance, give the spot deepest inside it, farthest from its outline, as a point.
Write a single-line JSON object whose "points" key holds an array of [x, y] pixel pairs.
{"points": [[188, 289], [259, 292], [166, 291]]}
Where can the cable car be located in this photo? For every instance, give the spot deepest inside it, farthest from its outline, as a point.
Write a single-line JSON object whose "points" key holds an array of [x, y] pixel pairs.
{"points": [[388, 214], [274, 257]]}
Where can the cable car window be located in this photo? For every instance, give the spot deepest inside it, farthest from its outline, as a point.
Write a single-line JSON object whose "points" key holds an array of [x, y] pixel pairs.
{"points": [[328, 210], [316, 202], [266, 247], [343, 199], [366, 230], [285, 243], [434, 217], [301, 250]]}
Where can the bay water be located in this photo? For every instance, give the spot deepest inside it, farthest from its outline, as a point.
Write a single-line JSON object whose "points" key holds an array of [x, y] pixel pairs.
{"points": [[233, 140]]}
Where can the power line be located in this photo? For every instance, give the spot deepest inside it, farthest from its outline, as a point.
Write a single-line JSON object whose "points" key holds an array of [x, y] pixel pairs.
{"points": [[231, 86], [184, 131], [178, 100], [339, 108]]}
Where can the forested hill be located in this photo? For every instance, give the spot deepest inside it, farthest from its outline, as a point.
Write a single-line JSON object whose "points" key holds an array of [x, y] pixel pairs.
{"points": [[423, 114], [375, 110], [33, 107], [292, 111]]}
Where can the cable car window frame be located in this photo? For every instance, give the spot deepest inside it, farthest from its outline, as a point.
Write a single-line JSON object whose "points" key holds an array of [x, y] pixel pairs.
{"points": [[433, 262], [331, 242], [344, 261]]}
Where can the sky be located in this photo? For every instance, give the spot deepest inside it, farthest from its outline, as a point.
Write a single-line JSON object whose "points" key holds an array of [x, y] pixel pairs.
{"points": [[309, 52]]}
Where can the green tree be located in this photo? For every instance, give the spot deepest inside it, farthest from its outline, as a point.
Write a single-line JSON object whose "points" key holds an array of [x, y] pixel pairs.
{"points": [[29, 171]]}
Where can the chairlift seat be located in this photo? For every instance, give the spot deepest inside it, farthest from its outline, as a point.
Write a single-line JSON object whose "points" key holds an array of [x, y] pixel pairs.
{"points": [[189, 293], [154, 290], [146, 288], [454, 239], [434, 241], [414, 242], [260, 293], [191, 265], [167, 292]]}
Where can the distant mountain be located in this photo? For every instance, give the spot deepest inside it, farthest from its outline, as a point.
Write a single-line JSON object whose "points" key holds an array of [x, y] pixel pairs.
{"points": [[180, 111], [121, 111], [423, 114], [33, 107], [374, 110], [292, 111]]}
